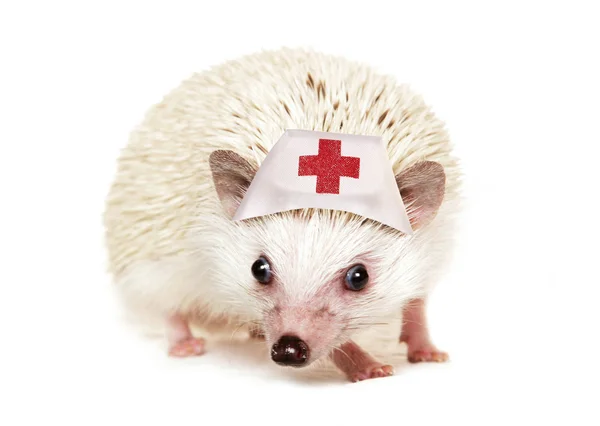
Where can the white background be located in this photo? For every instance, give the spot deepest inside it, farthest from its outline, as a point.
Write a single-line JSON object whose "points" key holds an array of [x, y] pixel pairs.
{"points": [[518, 86]]}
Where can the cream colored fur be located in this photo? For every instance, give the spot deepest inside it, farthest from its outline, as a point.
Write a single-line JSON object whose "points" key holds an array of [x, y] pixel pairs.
{"points": [[165, 226]]}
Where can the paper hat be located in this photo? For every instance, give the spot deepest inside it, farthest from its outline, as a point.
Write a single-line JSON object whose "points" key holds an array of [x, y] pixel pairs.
{"points": [[307, 169]]}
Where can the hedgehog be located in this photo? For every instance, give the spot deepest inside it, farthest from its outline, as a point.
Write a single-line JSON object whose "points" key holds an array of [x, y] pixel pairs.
{"points": [[177, 257]]}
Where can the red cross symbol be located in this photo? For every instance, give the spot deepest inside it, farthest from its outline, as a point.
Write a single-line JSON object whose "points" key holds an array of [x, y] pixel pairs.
{"points": [[329, 166]]}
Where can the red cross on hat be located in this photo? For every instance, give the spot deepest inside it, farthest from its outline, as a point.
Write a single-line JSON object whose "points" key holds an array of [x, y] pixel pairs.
{"points": [[308, 169], [329, 166]]}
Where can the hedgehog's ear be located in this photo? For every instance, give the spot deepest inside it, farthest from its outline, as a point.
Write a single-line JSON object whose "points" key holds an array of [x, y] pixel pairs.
{"points": [[232, 176], [422, 188]]}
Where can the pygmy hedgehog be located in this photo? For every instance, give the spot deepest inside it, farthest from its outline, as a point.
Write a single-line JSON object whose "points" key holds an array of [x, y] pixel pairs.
{"points": [[307, 280]]}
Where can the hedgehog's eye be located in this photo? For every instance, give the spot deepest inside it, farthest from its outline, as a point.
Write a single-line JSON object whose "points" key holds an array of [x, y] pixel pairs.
{"points": [[357, 278], [262, 270]]}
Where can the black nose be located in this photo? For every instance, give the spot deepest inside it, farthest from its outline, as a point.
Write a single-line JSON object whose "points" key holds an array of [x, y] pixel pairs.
{"points": [[289, 350]]}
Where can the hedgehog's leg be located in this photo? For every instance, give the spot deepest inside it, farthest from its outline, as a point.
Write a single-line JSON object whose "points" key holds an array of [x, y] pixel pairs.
{"points": [[181, 341], [416, 336], [358, 365]]}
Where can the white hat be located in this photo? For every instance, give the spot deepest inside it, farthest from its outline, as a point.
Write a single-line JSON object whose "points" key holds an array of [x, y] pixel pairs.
{"points": [[307, 169]]}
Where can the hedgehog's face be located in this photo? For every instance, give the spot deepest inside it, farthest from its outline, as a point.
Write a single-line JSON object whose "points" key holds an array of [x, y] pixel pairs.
{"points": [[314, 280], [311, 279]]}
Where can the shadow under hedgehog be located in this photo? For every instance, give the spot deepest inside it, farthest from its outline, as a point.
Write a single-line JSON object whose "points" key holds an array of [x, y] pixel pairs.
{"points": [[299, 194]]}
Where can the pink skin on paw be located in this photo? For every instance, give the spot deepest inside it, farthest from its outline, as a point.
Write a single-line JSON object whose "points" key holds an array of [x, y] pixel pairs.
{"points": [[181, 341], [358, 365], [416, 336], [372, 372], [428, 355], [189, 347]]}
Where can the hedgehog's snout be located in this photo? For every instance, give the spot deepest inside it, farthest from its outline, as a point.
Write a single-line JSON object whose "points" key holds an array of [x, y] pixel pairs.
{"points": [[290, 351]]}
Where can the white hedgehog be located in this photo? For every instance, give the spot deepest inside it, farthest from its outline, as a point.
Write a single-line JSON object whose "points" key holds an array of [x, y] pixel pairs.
{"points": [[176, 255]]}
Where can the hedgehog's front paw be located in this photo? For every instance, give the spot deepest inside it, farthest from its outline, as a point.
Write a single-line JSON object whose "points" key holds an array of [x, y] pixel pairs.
{"points": [[416, 336], [357, 364], [192, 346], [181, 341], [372, 372], [427, 353]]}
